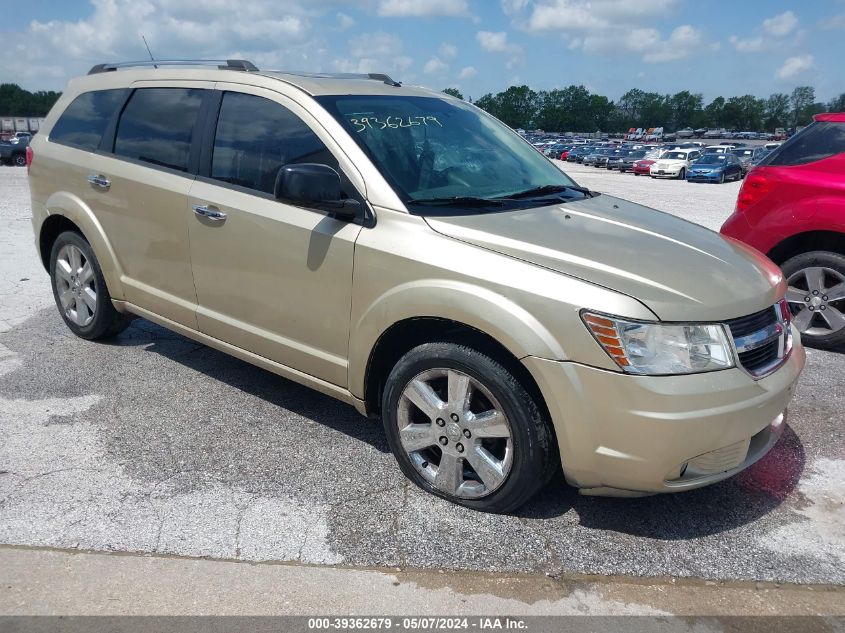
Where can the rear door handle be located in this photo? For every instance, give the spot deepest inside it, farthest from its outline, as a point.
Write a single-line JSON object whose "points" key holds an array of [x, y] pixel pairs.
{"points": [[98, 180], [207, 212]]}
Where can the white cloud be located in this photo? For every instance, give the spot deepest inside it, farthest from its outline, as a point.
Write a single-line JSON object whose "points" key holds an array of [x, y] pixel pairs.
{"points": [[447, 51], [344, 22], [509, 7], [378, 44], [423, 8], [795, 65], [748, 45], [682, 42], [556, 15], [781, 25], [834, 23], [467, 72], [769, 35], [45, 54], [496, 42], [435, 66]]}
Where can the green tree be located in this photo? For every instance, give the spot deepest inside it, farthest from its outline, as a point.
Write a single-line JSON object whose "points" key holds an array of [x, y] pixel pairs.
{"points": [[837, 104], [686, 108], [453, 92], [15, 101], [714, 112], [802, 99], [517, 106], [777, 111]]}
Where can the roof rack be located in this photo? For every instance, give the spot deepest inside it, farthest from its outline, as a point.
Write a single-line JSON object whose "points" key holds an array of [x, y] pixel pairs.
{"points": [[222, 64], [377, 76]]}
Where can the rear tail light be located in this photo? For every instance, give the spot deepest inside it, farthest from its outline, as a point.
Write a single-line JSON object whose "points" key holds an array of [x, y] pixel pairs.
{"points": [[29, 157], [755, 187]]}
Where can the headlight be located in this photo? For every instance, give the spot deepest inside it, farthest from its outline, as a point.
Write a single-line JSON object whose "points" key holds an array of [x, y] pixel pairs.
{"points": [[651, 348]]}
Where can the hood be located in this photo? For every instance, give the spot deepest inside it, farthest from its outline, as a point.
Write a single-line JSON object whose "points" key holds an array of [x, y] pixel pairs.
{"points": [[697, 167], [680, 270], [670, 161]]}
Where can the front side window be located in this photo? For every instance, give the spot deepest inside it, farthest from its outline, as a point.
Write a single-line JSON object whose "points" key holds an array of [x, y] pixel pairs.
{"points": [[157, 125], [255, 137], [433, 149], [83, 122], [817, 141]]}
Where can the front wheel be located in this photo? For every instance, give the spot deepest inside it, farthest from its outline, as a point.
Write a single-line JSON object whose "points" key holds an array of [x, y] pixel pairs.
{"points": [[722, 178], [79, 289], [464, 428], [816, 297], [682, 174]]}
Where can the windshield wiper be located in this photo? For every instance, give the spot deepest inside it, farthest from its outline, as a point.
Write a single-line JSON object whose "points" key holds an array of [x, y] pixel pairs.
{"points": [[544, 189], [457, 201]]}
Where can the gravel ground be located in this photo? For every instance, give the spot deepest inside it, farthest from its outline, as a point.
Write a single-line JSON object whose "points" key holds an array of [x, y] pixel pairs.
{"points": [[152, 443]]}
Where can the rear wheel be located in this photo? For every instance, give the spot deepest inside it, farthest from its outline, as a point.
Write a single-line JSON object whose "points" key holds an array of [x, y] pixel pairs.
{"points": [[79, 289], [19, 160], [464, 428], [816, 297]]}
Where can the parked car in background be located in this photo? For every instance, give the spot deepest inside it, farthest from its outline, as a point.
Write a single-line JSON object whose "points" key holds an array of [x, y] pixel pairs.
{"points": [[715, 168], [746, 156], [642, 167], [674, 163], [717, 149], [771, 146], [686, 132], [593, 157], [792, 208], [626, 162], [13, 151]]}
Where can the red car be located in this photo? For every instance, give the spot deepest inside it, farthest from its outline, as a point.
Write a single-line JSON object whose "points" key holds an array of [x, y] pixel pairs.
{"points": [[792, 208], [564, 154], [642, 167]]}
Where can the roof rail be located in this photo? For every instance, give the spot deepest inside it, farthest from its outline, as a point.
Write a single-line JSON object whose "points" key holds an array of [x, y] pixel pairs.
{"points": [[222, 64], [377, 76]]}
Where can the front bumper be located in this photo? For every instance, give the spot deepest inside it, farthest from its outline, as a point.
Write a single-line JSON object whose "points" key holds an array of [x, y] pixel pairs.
{"points": [[665, 172], [626, 435], [697, 176]]}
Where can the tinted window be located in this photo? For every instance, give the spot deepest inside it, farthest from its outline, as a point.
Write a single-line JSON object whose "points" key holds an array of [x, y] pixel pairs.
{"points": [[83, 122], [256, 137], [815, 142], [157, 124]]}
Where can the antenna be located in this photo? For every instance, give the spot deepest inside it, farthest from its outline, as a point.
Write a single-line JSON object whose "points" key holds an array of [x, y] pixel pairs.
{"points": [[152, 59]]}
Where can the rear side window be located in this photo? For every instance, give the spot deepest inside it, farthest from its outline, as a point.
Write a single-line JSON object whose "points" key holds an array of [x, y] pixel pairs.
{"points": [[819, 140], [86, 118], [157, 125], [255, 137]]}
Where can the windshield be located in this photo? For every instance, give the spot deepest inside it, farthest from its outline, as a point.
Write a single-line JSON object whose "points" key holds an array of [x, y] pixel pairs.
{"points": [[435, 149], [675, 156], [711, 159]]}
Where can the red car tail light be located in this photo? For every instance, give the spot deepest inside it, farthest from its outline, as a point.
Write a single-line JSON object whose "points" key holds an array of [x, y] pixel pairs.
{"points": [[29, 157], [755, 188]]}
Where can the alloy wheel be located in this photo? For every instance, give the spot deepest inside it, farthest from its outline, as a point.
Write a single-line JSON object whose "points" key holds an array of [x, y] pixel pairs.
{"points": [[816, 297], [76, 285], [455, 433]]}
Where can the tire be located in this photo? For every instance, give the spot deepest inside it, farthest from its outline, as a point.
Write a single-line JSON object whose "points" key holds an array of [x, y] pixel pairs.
{"points": [[818, 327], [74, 273], [722, 178], [682, 174], [19, 160], [532, 449]]}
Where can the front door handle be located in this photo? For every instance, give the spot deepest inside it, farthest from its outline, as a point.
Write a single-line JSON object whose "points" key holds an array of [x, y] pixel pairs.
{"points": [[98, 180], [207, 212]]}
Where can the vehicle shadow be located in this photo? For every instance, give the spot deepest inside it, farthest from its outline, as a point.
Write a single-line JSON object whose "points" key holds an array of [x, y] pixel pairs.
{"points": [[724, 506], [737, 501], [254, 381]]}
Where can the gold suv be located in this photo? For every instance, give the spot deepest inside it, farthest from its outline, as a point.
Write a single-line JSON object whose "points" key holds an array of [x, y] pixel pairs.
{"points": [[408, 254]]}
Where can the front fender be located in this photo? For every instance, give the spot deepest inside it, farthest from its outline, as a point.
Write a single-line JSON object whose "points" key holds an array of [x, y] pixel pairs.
{"points": [[514, 327], [74, 209]]}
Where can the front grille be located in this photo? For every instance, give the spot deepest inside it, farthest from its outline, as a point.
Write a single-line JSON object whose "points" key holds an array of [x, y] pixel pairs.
{"points": [[766, 352], [752, 323], [760, 356]]}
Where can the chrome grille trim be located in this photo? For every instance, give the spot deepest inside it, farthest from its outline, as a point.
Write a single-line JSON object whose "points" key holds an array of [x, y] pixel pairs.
{"points": [[760, 341]]}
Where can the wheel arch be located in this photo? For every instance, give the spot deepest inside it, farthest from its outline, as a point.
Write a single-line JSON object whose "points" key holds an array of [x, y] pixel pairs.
{"points": [[403, 336], [807, 241], [66, 212]]}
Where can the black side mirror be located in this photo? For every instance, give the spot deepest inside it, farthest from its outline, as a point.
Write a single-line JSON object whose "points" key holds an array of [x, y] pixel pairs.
{"points": [[314, 185]]}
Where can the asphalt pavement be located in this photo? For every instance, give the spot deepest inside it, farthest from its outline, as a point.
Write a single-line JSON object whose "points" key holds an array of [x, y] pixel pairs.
{"points": [[153, 443]]}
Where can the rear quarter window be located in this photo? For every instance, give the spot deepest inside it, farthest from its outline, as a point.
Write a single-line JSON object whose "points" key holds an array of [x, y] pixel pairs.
{"points": [[817, 141], [83, 122]]}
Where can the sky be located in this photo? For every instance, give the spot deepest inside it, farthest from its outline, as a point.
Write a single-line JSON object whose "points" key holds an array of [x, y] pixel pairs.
{"points": [[715, 47]]}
